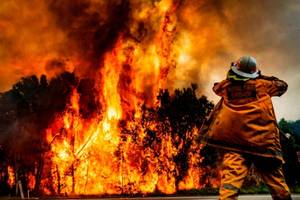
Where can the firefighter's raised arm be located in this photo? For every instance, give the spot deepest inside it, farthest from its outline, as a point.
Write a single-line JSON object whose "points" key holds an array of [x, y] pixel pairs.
{"points": [[275, 86], [218, 88]]}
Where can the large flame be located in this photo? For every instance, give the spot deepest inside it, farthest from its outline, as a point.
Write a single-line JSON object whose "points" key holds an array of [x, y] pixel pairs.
{"points": [[11, 176]]}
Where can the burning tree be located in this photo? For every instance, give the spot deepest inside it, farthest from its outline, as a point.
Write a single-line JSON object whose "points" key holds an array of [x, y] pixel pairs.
{"points": [[60, 149]]}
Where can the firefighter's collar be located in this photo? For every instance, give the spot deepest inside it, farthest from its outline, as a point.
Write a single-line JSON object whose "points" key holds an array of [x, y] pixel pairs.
{"points": [[233, 76], [244, 74]]}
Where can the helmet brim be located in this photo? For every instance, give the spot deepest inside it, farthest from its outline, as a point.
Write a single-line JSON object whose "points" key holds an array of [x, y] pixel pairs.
{"points": [[244, 74]]}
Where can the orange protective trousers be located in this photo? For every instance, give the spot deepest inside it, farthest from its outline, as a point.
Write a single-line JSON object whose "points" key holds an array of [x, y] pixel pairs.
{"points": [[236, 167]]}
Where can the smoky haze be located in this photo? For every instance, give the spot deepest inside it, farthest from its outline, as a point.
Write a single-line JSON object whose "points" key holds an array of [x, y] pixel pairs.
{"points": [[268, 30], [43, 40]]}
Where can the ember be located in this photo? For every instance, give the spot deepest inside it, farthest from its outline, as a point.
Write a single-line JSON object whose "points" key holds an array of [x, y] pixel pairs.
{"points": [[11, 176]]}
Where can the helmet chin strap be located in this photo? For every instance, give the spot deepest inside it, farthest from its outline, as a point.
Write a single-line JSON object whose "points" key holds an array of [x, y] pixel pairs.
{"points": [[244, 74]]}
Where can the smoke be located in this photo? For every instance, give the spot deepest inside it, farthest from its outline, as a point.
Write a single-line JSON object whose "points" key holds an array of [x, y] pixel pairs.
{"points": [[267, 30], [92, 26], [28, 37], [224, 30], [209, 36], [203, 38]]}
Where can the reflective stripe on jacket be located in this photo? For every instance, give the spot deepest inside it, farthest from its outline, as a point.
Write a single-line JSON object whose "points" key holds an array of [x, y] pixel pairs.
{"points": [[244, 119]]}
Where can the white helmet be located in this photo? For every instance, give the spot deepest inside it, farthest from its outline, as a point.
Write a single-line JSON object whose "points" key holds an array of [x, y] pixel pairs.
{"points": [[246, 67]]}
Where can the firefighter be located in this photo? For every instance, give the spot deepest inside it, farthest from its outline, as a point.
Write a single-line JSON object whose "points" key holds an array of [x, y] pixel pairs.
{"points": [[243, 124]]}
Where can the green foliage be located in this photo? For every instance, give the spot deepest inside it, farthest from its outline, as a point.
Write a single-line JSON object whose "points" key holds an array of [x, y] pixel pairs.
{"points": [[290, 147], [285, 126], [295, 189], [292, 127], [260, 189]]}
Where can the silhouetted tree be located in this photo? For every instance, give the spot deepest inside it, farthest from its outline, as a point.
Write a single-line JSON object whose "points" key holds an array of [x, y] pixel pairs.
{"points": [[27, 109], [290, 146], [31, 105], [185, 111]]}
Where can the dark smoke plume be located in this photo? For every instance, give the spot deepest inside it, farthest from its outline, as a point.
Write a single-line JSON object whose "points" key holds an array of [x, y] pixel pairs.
{"points": [[92, 26]]}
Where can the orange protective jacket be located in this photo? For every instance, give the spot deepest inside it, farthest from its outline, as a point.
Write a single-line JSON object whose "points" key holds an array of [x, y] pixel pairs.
{"points": [[244, 119]]}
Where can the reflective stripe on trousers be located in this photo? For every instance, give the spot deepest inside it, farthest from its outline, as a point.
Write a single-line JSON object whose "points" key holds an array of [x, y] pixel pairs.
{"points": [[236, 167]]}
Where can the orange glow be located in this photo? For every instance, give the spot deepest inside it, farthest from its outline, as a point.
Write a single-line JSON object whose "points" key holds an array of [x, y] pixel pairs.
{"points": [[11, 176], [31, 181]]}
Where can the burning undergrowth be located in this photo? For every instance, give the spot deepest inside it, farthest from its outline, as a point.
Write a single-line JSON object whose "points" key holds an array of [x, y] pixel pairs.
{"points": [[107, 120], [59, 140]]}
